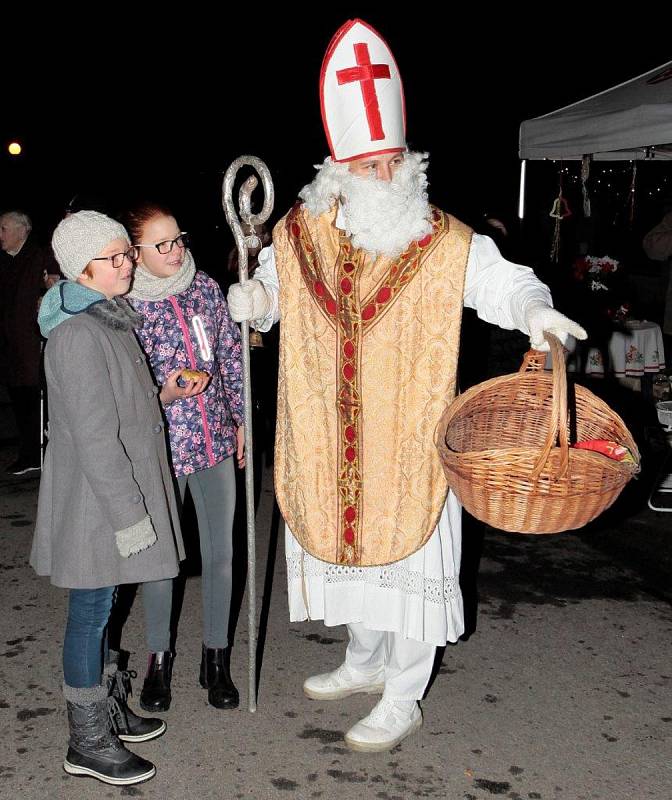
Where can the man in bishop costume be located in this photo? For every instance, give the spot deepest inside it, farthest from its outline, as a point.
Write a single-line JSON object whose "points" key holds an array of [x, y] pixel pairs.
{"points": [[369, 280]]}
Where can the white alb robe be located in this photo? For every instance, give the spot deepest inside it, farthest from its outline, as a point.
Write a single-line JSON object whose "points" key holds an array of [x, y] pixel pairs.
{"points": [[419, 596]]}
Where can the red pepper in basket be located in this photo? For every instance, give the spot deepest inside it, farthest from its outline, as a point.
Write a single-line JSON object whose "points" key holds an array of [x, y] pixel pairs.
{"points": [[607, 448]]}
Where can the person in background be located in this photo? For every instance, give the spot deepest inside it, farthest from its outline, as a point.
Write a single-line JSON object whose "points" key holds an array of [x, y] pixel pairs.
{"points": [[25, 269], [657, 245]]}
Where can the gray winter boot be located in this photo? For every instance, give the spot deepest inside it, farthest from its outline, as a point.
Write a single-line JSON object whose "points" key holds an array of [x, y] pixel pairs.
{"points": [[94, 750]]}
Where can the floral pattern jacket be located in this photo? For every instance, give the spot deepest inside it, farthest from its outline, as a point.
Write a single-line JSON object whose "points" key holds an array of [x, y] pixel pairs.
{"points": [[193, 329]]}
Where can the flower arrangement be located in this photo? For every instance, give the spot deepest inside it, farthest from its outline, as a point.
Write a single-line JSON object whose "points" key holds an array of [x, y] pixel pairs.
{"points": [[595, 269], [602, 277]]}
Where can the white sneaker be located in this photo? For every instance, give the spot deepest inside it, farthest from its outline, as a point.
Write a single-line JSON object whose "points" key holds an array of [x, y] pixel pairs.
{"points": [[384, 727], [343, 682]]}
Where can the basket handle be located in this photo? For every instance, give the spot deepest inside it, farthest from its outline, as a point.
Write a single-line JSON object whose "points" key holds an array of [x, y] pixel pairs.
{"points": [[533, 361], [558, 425]]}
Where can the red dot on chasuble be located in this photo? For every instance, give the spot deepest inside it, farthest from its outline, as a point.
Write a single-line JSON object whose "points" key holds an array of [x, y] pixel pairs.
{"points": [[349, 535], [350, 454], [383, 294], [318, 288], [350, 515], [331, 306], [296, 230], [348, 372], [369, 312], [350, 433], [346, 286], [426, 240], [348, 349], [348, 266]]}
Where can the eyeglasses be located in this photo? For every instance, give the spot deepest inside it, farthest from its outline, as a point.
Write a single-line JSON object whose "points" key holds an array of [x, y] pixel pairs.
{"points": [[181, 241], [118, 258]]}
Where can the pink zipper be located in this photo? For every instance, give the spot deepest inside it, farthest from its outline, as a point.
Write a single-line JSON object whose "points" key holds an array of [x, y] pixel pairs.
{"points": [[192, 361]]}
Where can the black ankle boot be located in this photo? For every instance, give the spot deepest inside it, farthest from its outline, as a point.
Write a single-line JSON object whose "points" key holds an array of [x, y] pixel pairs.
{"points": [[216, 677], [127, 725], [94, 751], [155, 695]]}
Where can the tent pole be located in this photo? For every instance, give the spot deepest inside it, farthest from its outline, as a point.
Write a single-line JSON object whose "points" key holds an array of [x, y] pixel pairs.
{"points": [[521, 195]]}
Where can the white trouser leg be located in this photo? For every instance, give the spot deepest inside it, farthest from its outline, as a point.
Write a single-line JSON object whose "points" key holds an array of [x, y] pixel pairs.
{"points": [[407, 668], [366, 652]]}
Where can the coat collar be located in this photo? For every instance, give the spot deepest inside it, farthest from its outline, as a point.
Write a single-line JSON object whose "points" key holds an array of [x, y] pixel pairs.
{"points": [[115, 314]]}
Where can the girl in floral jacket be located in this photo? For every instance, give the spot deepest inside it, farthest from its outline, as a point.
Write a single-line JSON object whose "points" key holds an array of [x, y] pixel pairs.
{"points": [[187, 326]]}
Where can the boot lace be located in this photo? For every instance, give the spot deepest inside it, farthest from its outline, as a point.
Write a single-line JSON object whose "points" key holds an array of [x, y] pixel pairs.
{"points": [[122, 686], [117, 716]]}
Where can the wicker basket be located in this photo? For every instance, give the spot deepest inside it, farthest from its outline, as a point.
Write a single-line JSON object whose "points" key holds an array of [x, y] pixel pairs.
{"points": [[504, 445]]}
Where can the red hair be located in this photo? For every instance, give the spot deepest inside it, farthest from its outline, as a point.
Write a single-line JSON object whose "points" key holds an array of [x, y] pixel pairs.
{"points": [[139, 215]]}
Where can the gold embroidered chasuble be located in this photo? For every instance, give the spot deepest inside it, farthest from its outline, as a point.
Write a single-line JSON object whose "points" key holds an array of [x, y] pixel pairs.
{"points": [[368, 359]]}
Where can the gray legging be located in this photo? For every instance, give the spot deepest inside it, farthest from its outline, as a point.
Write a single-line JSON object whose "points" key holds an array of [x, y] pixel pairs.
{"points": [[214, 494]]}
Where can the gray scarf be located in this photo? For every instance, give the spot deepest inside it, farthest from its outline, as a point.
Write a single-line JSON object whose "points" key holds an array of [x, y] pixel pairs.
{"points": [[149, 287]]}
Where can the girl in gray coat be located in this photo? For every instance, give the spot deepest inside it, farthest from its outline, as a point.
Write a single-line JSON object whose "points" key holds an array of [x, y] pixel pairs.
{"points": [[106, 509]]}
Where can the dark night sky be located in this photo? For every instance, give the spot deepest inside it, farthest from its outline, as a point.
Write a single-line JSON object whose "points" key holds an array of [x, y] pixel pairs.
{"points": [[162, 106]]}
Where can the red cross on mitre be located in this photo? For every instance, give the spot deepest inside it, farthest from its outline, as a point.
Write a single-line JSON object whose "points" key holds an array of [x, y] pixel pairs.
{"points": [[366, 73], [361, 95]]}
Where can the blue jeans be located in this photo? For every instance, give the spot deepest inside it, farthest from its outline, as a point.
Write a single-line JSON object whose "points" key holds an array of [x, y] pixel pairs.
{"points": [[85, 636]]}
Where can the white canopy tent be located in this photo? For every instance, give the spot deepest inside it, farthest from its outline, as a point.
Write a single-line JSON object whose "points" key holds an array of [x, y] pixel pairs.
{"points": [[630, 121]]}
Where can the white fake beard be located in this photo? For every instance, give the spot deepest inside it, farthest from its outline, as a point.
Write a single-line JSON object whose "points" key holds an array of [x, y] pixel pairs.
{"points": [[380, 217]]}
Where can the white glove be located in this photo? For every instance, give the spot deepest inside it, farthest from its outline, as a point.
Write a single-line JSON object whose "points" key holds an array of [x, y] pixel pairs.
{"points": [[248, 301], [540, 317]]}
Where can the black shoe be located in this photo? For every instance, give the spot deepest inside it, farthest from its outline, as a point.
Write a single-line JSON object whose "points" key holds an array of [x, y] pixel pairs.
{"points": [[216, 677], [155, 694], [127, 725], [20, 467], [94, 750]]}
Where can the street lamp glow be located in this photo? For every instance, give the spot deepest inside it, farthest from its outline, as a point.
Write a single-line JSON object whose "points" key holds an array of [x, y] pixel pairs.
{"points": [[14, 149]]}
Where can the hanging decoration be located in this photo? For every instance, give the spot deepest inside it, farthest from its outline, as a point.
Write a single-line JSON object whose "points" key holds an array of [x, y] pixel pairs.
{"points": [[631, 195], [559, 211], [585, 174]]}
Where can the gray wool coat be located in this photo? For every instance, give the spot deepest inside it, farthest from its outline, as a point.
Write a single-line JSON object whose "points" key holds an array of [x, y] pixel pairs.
{"points": [[105, 465]]}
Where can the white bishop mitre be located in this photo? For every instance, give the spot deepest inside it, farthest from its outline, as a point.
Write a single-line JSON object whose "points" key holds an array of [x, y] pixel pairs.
{"points": [[361, 95]]}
